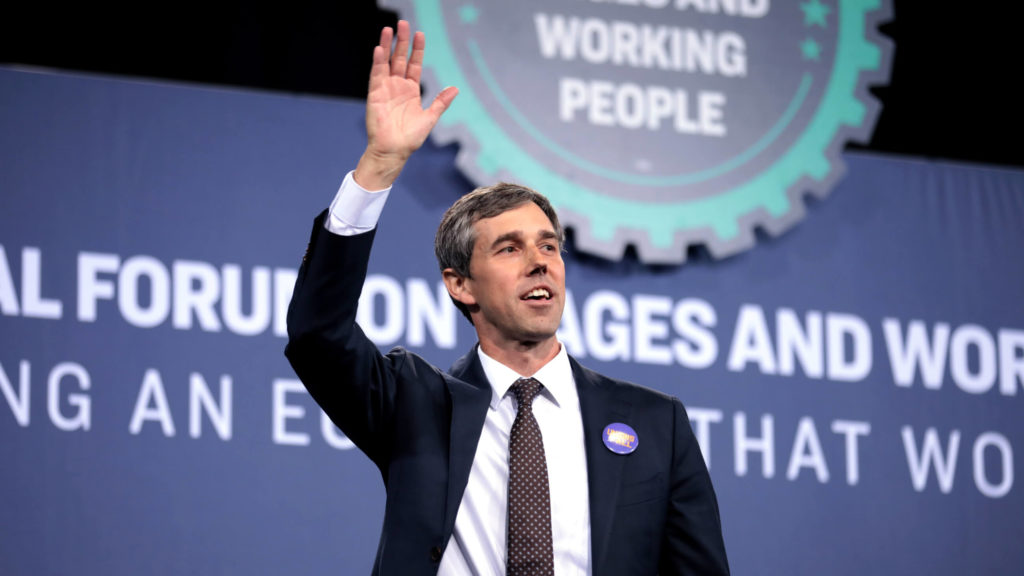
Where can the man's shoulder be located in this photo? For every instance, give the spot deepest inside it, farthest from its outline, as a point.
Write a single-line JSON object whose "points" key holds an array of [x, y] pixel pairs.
{"points": [[413, 362], [465, 370]]}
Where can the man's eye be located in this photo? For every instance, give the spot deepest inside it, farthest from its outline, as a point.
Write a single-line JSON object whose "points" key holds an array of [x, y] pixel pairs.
{"points": [[508, 249]]}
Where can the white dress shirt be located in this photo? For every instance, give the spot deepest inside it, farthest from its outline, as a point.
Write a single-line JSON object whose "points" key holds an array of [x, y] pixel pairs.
{"points": [[478, 542]]}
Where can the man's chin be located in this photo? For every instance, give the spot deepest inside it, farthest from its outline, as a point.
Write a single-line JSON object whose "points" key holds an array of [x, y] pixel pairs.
{"points": [[538, 335]]}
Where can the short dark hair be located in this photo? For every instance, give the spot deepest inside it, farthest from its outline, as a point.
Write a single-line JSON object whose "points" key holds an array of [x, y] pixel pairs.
{"points": [[455, 238]]}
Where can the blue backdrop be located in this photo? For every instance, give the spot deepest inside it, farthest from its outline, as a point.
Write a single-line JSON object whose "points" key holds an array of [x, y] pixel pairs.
{"points": [[855, 383]]}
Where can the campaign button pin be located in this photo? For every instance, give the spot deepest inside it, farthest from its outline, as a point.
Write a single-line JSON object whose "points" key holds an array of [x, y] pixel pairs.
{"points": [[620, 438]]}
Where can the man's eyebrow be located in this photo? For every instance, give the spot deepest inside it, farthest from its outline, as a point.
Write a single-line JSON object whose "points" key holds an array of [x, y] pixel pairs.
{"points": [[517, 236], [514, 235]]}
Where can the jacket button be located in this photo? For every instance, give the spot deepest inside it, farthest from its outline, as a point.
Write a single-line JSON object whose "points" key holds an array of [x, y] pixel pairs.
{"points": [[435, 554]]}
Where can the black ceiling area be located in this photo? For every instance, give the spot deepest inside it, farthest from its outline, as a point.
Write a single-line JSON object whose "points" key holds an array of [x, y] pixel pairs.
{"points": [[953, 92]]}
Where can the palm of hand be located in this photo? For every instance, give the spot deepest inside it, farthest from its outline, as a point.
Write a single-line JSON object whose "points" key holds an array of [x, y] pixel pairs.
{"points": [[395, 119]]}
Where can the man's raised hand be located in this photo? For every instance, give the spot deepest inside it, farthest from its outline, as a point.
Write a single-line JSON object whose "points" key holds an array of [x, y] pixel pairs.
{"points": [[396, 122]]}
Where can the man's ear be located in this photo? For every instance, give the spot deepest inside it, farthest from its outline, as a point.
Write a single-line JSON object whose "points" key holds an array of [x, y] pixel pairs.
{"points": [[459, 287]]}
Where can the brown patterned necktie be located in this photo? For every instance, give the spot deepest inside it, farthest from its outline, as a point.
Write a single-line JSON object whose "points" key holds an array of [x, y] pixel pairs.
{"points": [[529, 501]]}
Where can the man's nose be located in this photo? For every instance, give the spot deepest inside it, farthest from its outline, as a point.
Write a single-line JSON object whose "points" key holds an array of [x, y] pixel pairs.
{"points": [[537, 265]]}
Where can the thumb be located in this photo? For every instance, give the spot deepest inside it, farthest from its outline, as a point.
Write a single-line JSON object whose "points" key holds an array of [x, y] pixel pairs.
{"points": [[442, 102]]}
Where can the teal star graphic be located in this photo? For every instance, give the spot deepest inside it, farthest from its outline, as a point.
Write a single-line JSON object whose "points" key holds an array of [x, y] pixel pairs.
{"points": [[810, 49], [814, 13], [469, 13]]}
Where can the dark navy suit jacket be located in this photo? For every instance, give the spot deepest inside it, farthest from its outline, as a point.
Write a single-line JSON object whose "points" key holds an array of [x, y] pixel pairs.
{"points": [[651, 512]]}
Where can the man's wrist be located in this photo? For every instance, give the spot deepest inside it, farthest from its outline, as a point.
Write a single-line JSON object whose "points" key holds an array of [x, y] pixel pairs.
{"points": [[378, 171]]}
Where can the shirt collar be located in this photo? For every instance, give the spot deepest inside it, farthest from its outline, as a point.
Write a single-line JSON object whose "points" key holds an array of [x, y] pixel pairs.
{"points": [[556, 376]]}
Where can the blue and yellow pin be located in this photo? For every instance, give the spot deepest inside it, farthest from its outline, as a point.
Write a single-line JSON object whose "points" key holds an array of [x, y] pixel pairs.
{"points": [[620, 438]]}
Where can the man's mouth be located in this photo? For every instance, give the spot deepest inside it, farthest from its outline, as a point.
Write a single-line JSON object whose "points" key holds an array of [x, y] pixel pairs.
{"points": [[537, 294]]}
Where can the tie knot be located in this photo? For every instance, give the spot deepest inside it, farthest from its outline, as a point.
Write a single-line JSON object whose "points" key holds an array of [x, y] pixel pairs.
{"points": [[525, 389]]}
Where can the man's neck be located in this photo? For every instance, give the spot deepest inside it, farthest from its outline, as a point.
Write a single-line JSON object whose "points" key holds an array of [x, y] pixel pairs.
{"points": [[526, 358]]}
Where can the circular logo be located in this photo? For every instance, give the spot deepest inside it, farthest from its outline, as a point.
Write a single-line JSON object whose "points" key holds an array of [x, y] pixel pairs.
{"points": [[657, 123], [620, 438]]}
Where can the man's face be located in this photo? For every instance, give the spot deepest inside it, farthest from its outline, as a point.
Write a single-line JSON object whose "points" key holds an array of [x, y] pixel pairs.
{"points": [[517, 277]]}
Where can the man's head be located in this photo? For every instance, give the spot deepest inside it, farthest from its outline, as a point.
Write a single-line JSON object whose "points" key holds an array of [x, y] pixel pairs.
{"points": [[494, 246]]}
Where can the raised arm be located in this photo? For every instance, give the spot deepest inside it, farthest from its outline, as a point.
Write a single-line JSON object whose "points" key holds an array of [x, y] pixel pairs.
{"points": [[396, 122], [341, 368]]}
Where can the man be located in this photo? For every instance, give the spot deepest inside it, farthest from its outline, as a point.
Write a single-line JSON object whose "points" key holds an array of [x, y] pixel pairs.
{"points": [[518, 460]]}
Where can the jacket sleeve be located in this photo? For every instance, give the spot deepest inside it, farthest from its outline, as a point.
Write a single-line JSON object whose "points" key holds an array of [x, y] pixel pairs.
{"points": [[341, 368], [693, 531]]}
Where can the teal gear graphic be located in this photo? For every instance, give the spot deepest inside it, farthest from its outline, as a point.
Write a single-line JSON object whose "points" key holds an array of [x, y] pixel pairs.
{"points": [[759, 184]]}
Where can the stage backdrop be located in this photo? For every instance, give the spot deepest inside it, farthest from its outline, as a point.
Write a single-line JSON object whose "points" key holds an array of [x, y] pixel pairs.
{"points": [[856, 384]]}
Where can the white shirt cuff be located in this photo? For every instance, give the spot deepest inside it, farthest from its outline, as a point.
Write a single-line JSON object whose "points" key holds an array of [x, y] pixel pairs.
{"points": [[355, 209]]}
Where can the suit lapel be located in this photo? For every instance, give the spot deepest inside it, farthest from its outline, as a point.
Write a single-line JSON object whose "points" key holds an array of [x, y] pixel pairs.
{"points": [[600, 406], [470, 394]]}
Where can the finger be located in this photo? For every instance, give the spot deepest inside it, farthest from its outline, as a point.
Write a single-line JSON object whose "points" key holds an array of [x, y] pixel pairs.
{"points": [[442, 102], [379, 70], [401, 54], [385, 39], [419, 41]]}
